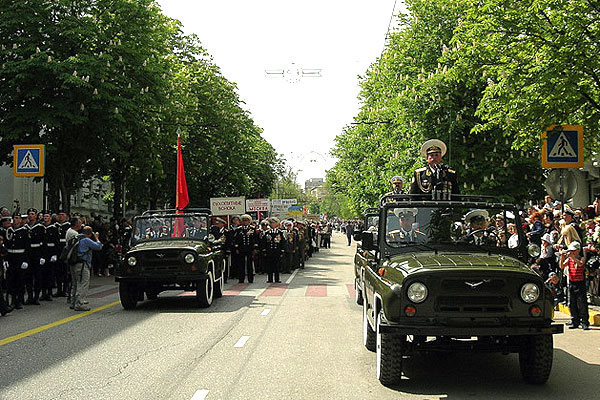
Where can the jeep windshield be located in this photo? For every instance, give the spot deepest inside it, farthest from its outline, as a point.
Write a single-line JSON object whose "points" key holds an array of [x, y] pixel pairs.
{"points": [[480, 227], [169, 227]]}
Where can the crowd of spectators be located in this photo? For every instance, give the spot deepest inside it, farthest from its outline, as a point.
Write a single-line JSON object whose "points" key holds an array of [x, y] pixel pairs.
{"points": [[569, 261]]}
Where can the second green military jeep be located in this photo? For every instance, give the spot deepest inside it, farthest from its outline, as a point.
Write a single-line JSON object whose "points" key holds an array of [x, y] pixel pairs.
{"points": [[450, 276], [172, 250]]}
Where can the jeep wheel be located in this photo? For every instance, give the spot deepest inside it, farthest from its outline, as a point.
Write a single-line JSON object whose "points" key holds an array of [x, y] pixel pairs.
{"points": [[535, 358], [205, 291], [358, 296], [389, 356], [128, 294], [220, 282], [369, 337]]}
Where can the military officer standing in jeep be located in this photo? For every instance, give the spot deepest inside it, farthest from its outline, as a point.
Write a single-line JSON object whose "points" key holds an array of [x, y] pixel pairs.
{"points": [[435, 176], [397, 185]]}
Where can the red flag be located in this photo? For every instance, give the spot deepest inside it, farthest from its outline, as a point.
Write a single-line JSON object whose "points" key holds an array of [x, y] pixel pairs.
{"points": [[182, 199], [181, 196]]}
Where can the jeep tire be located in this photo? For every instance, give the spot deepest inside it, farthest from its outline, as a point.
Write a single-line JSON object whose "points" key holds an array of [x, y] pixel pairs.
{"points": [[128, 293], [205, 289], [369, 336], [358, 295], [389, 355], [220, 282], [535, 358]]}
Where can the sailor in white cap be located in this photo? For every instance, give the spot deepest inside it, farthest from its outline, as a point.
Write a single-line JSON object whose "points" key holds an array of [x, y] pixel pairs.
{"points": [[478, 232], [435, 174], [408, 229]]}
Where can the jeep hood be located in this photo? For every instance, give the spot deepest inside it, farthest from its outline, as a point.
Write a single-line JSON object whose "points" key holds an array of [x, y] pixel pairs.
{"points": [[414, 262], [168, 244]]}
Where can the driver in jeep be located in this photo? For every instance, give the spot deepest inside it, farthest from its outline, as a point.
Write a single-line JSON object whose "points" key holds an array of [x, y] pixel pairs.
{"points": [[478, 231]]}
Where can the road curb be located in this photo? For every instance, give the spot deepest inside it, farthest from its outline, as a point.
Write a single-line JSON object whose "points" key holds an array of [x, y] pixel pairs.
{"points": [[594, 318]]}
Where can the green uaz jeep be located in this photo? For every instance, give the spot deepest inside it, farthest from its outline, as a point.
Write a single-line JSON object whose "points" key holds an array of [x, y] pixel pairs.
{"points": [[449, 276], [172, 251]]}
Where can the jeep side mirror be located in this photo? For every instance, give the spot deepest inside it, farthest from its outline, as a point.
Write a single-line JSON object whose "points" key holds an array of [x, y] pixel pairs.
{"points": [[368, 242]]}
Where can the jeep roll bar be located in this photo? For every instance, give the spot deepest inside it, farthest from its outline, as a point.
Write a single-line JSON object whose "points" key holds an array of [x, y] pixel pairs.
{"points": [[176, 210], [406, 198]]}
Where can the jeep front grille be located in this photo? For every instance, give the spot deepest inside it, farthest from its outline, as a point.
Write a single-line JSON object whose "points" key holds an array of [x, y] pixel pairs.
{"points": [[160, 261], [473, 304]]}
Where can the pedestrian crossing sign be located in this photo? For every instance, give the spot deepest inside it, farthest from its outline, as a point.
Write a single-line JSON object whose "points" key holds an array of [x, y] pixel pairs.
{"points": [[28, 160], [562, 146]]}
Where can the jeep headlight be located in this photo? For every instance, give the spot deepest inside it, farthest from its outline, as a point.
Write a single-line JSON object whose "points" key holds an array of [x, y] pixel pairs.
{"points": [[132, 261], [189, 258], [417, 292], [533, 250], [530, 292]]}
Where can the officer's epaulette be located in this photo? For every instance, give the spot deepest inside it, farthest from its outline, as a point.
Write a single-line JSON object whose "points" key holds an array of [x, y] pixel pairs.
{"points": [[421, 169], [451, 171]]}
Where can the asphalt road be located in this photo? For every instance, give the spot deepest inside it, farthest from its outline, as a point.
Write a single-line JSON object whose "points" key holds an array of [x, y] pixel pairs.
{"points": [[300, 340]]}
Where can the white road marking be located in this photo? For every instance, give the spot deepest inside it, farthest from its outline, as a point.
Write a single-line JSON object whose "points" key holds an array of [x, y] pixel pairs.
{"points": [[242, 341], [266, 311], [291, 276], [200, 395]]}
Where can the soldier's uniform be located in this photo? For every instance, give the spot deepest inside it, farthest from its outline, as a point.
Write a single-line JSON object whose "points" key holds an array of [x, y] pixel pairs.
{"points": [[436, 177], [291, 249], [51, 256], [272, 247], [156, 233], [62, 273], [17, 245], [245, 242], [33, 274], [397, 183]]}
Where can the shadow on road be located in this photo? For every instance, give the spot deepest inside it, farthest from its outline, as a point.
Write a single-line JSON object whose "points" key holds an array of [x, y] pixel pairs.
{"points": [[494, 376]]}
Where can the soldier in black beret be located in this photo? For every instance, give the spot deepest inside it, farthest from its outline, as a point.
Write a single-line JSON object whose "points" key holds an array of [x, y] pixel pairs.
{"points": [[435, 176]]}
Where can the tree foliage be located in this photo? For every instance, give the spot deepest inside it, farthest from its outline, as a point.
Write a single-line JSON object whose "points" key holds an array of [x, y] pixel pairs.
{"points": [[105, 85], [420, 88]]}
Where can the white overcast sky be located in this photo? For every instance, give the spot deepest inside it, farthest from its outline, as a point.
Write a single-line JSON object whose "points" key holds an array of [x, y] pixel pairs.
{"points": [[247, 37]]}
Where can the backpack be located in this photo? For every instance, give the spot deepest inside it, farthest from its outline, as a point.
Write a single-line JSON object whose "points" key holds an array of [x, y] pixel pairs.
{"points": [[69, 253]]}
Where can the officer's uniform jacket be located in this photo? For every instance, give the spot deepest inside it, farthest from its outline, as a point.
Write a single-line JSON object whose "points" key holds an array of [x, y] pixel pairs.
{"points": [[62, 233], [245, 239], [162, 232], [483, 240], [52, 240], [195, 232], [37, 240], [17, 245], [272, 242], [425, 180]]}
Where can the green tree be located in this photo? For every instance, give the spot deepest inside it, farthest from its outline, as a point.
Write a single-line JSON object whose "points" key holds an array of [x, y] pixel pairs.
{"points": [[539, 59], [411, 94]]}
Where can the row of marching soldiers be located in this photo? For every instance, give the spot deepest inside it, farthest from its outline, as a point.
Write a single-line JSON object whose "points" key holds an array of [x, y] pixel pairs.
{"points": [[271, 247], [30, 250]]}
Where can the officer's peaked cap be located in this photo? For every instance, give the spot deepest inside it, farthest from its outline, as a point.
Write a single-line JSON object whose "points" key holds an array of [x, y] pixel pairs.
{"points": [[476, 213], [433, 146], [396, 179]]}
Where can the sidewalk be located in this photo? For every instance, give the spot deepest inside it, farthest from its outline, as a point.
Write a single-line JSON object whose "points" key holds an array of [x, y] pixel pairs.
{"points": [[594, 312]]}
